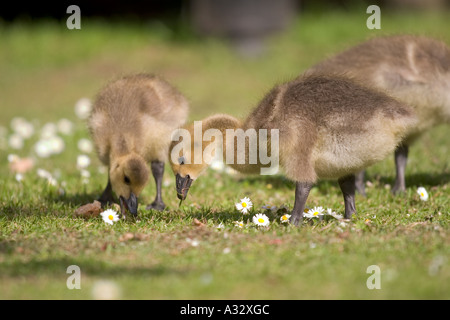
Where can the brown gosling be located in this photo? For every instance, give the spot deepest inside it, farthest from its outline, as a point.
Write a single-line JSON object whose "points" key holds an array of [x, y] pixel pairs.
{"points": [[413, 69], [131, 124], [329, 127]]}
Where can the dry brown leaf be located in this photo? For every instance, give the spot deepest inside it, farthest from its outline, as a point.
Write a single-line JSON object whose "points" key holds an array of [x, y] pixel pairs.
{"points": [[133, 236], [197, 223], [126, 237], [21, 165], [89, 210]]}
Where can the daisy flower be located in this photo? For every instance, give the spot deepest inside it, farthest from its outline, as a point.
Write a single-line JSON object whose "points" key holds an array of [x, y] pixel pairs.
{"points": [[83, 108], [423, 194], [220, 226], [261, 220], [19, 177], [109, 216], [244, 206], [65, 126], [83, 161], [315, 212], [22, 127], [15, 141], [43, 174], [239, 224], [49, 146], [42, 149], [285, 218], [56, 144], [330, 212], [217, 165], [85, 145], [48, 130]]}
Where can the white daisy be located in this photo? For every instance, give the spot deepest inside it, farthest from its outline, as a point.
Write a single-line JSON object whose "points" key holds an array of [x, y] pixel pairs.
{"points": [[56, 144], [330, 212], [22, 127], [220, 226], [244, 206], [48, 130], [13, 158], [43, 148], [49, 146], [285, 218], [423, 194], [15, 141], [43, 173], [239, 224], [83, 108], [83, 161], [106, 290], [230, 171], [65, 126], [217, 165], [85, 173], [110, 216], [19, 177], [315, 212], [261, 220], [85, 145]]}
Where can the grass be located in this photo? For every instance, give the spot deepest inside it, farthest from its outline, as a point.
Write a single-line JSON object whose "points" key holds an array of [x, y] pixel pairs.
{"points": [[46, 68]]}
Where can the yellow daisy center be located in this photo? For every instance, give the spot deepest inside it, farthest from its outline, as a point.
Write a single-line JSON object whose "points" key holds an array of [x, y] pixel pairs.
{"points": [[284, 217], [315, 213], [111, 217], [422, 194], [244, 204], [260, 220]]}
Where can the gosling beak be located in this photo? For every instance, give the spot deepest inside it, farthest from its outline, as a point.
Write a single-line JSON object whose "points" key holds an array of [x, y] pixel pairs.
{"points": [[130, 204], [183, 185]]}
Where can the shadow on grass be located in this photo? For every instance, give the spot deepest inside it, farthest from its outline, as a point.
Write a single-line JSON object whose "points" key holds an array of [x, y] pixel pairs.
{"points": [[416, 180], [93, 267], [277, 181]]}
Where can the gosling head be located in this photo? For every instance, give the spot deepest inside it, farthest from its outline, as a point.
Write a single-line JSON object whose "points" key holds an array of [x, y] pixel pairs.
{"points": [[181, 159], [128, 175]]}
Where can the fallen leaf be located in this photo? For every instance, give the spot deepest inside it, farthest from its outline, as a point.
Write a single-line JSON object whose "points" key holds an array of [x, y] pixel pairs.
{"points": [[21, 165], [133, 236], [276, 241], [89, 210], [198, 223], [126, 237]]}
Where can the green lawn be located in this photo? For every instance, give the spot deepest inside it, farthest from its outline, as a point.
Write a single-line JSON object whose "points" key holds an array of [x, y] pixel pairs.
{"points": [[45, 69]]}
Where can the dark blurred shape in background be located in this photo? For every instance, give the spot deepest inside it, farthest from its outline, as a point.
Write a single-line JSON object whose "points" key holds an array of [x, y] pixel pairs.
{"points": [[244, 23]]}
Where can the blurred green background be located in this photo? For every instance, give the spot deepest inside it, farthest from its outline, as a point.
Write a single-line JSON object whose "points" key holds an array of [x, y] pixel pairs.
{"points": [[45, 67]]}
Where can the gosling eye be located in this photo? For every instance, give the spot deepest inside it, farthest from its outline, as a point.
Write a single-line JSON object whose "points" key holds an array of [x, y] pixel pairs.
{"points": [[181, 160], [126, 180]]}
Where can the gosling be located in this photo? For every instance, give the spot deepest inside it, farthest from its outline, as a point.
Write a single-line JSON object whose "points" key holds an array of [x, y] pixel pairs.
{"points": [[131, 123], [329, 127], [414, 70]]}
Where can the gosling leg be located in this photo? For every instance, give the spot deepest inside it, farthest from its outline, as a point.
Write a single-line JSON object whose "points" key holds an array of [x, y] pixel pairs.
{"points": [[401, 157], [302, 190], [359, 183], [107, 197], [158, 172], [347, 185]]}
